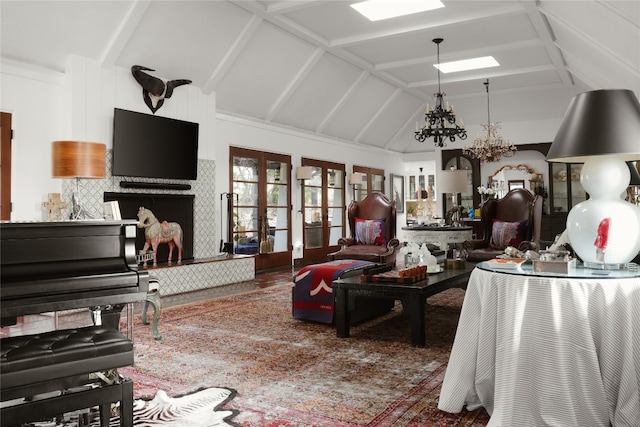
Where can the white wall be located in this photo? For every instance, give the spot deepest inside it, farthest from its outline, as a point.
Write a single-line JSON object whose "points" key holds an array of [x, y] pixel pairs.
{"points": [[34, 99]]}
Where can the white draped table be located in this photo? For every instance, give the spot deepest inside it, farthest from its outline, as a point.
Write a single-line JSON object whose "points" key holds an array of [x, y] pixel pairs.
{"points": [[538, 350]]}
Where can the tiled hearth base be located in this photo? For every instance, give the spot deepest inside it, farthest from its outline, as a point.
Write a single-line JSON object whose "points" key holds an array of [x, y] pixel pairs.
{"points": [[197, 275]]}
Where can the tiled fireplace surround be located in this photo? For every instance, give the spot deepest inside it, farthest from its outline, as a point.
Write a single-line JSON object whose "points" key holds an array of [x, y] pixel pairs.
{"points": [[204, 271]]}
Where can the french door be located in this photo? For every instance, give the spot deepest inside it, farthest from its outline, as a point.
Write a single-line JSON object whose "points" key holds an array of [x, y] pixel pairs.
{"points": [[261, 220], [5, 166], [323, 209]]}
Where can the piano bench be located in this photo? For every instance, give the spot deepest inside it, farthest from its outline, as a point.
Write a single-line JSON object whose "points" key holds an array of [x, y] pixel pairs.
{"points": [[48, 374]]}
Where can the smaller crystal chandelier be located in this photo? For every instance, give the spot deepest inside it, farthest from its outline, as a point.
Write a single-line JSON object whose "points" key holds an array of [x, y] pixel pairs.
{"points": [[440, 122], [492, 147]]}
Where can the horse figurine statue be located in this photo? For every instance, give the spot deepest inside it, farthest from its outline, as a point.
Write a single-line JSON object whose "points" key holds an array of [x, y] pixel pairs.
{"points": [[156, 232]]}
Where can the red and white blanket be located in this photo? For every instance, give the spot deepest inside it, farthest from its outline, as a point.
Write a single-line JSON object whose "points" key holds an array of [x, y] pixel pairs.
{"points": [[313, 295]]}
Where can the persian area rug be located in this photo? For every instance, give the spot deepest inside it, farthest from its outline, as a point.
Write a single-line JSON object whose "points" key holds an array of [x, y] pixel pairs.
{"points": [[198, 409], [290, 372]]}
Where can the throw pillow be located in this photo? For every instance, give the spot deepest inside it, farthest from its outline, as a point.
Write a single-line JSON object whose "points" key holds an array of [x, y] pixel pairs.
{"points": [[370, 231], [505, 234]]}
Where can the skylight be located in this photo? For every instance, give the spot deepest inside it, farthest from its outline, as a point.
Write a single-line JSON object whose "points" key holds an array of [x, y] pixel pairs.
{"points": [[467, 64], [376, 10]]}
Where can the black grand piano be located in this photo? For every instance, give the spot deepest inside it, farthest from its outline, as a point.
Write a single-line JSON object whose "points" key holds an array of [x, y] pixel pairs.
{"points": [[54, 266]]}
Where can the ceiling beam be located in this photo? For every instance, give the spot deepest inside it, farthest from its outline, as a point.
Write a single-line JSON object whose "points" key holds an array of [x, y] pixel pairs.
{"points": [[232, 55], [287, 6], [404, 128], [295, 83], [123, 33], [346, 97], [543, 30], [378, 113], [589, 40]]}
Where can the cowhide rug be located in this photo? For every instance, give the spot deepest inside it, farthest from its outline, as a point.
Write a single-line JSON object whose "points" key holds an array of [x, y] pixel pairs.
{"points": [[198, 409]]}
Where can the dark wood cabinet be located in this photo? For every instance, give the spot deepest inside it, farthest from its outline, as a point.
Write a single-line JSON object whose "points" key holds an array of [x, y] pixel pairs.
{"points": [[471, 198], [552, 225], [565, 191]]}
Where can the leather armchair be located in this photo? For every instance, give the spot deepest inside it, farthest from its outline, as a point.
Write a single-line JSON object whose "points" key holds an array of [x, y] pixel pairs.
{"points": [[517, 206], [376, 206]]}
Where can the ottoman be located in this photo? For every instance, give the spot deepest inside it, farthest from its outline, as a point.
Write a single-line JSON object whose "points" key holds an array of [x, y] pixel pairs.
{"points": [[313, 297]]}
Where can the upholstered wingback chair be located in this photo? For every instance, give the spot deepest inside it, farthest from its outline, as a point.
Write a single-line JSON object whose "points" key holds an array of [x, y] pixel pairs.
{"points": [[372, 223], [513, 220]]}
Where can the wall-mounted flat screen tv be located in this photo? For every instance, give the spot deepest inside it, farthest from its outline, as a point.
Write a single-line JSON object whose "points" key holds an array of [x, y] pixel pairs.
{"points": [[154, 147]]}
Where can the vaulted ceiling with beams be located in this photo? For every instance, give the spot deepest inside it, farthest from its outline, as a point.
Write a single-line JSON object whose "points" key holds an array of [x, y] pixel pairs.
{"points": [[322, 68]]}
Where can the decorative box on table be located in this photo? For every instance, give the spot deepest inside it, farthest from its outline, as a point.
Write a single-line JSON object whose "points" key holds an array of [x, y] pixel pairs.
{"points": [[554, 262]]}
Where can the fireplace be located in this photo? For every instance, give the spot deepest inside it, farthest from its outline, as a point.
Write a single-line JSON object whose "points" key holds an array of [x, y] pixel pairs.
{"points": [[166, 207]]}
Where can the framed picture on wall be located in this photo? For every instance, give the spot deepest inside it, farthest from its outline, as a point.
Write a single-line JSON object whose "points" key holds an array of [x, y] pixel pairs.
{"points": [[397, 191]]}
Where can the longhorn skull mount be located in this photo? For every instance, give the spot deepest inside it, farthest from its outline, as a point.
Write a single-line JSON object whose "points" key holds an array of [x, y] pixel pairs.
{"points": [[155, 90]]}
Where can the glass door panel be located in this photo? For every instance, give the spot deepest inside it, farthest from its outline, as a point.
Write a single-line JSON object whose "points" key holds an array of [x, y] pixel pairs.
{"points": [[560, 187], [245, 214], [275, 227], [413, 190], [467, 197], [335, 208], [361, 190], [245, 169], [447, 202], [377, 183], [313, 211], [577, 191]]}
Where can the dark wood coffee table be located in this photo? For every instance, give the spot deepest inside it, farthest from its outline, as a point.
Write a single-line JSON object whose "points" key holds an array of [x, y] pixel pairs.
{"points": [[413, 297]]}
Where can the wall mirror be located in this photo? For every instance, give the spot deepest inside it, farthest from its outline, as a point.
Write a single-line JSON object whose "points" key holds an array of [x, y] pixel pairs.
{"points": [[509, 177]]}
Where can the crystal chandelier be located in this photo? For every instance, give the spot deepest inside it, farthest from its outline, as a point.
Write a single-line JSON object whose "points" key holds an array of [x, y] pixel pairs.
{"points": [[440, 122], [493, 146]]}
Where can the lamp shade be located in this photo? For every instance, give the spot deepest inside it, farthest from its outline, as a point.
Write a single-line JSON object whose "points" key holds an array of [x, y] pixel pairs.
{"points": [[304, 172], [355, 178], [600, 122], [452, 181], [78, 159]]}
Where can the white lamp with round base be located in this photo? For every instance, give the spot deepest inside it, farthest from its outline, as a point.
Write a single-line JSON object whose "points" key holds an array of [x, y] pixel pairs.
{"points": [[605, 230], [602, 130]]}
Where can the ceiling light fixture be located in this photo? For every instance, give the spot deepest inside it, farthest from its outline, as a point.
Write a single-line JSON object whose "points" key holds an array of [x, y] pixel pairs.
{"points": [[377, 10], [493, 146], [468, 64], [440, 122]]}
